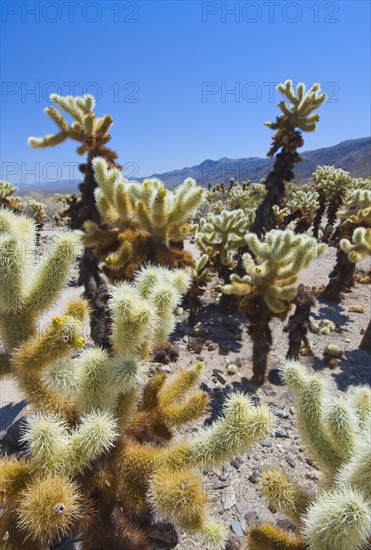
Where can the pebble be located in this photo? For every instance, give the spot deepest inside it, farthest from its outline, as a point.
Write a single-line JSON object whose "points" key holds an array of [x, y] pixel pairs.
{"points": [[281, 433], [290, 461], [229, 498], [221, 378], [236, 462], [255, 476], [266, 443], [237, 529]]}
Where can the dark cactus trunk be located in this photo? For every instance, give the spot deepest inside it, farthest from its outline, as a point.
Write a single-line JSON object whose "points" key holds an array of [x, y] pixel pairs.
{"points": [[298, 324], [284, 164], [319, 215], [366, 340], [260, 317], [341, 277]]}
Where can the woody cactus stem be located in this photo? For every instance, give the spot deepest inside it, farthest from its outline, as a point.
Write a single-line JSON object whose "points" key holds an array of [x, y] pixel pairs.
{"points": [[92, 133], [295, 117], [298, 324], [366, 340]]}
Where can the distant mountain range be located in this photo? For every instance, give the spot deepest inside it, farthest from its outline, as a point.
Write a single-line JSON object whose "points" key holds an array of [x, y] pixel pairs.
{"points": [[353, 155]]}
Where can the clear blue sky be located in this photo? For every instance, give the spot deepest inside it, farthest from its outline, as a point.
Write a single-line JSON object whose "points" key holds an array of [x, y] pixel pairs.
{"points": [[164, 69]]}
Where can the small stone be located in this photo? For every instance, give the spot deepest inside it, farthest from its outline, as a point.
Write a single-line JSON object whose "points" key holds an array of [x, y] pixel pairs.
{"points": [[290, 461], [253, 478], [212, 347], [237, 529], [281, 434], [229, 498], [236, 462], [221, 378], [266, 443]]}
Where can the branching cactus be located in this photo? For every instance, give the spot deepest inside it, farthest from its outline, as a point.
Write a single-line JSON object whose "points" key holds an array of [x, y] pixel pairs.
{"points": [[302, 206], [99, 453], [269, 286], [297, 116], [359, 248], [7, 198], [201, 275], [331, 185], [356, 216], [29, 288], [221, 237], [337, 437], [144, 222], [92, 134]]}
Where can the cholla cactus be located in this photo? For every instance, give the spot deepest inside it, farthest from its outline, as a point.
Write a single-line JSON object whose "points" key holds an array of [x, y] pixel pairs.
{"points": [[359, 248], [302, 205], [98, 454], [332, 185], [356, 217], [28, 288], [90, 131], [144, 222], [337, 436], [221, 236], [297, 116], [357, 209], [245, 196], [269, 286], [7, 199], [202, 275], [38, 213]]}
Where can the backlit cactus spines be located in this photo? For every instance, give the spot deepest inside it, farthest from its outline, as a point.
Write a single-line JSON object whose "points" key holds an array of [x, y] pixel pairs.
{"points": [[7, 198], [360, 246], [269, 287], [144, 222], [28, 289], [338, 520], [337, 436], [357, 207], [221, 236], [307, 201], [297, 117], [89, 130]]}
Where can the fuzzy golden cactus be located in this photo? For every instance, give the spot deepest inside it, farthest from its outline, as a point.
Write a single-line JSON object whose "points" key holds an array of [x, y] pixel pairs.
{"points": [[144, 222], [296, 116], [269, 287], [87, 128], [99, 443], [27, 287], [7, 198], [353, 243], [337, 436]]}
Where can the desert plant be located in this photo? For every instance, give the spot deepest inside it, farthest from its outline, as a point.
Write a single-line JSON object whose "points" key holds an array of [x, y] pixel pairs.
{"points": [[99, 456], [331, 185], [221, 237], [296, 117], [7, 198], [356, 249], [302, 206], [268, 288], [92, 133], [337, 436], [29, 287], [355, 215], [144, 222]]}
